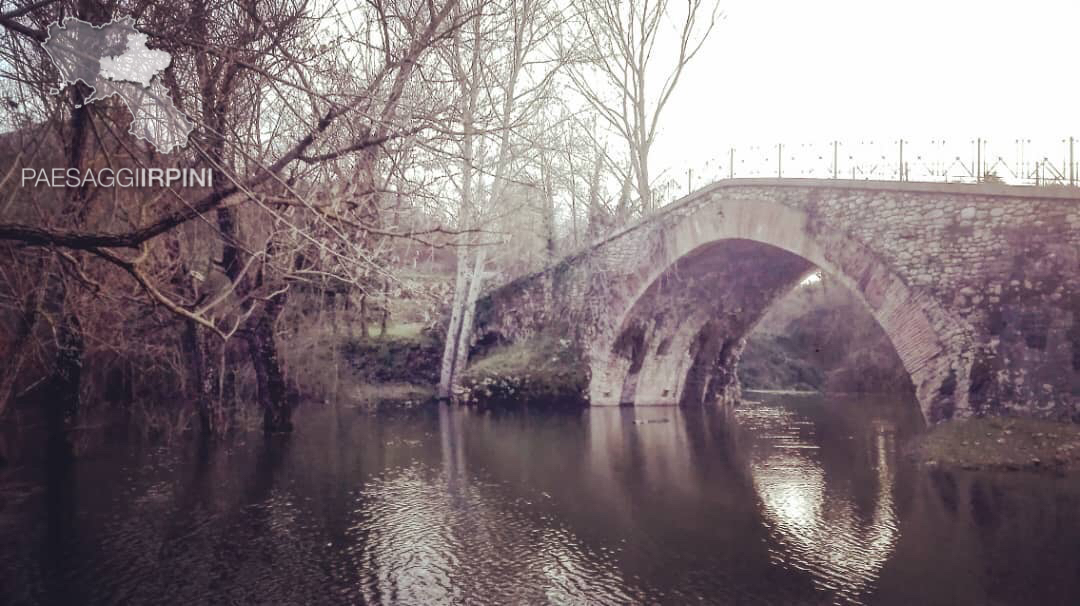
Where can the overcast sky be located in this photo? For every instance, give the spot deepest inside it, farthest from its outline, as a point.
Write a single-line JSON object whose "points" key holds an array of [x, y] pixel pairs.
{"points": [[796, 70]]}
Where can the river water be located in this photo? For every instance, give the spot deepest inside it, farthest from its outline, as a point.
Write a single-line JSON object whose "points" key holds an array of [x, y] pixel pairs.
{"points": [[784, 500]]}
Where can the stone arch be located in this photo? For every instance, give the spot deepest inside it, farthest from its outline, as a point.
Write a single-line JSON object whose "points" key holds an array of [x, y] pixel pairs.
{"points": [[911, 320]]}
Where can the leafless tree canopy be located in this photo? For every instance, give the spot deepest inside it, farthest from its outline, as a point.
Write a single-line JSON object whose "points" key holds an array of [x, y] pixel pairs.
{"points": [[347, 142]]}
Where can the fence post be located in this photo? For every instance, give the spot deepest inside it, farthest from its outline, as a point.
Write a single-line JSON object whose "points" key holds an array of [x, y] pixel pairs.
{"points": [[1072, 164], [978, 160], [779, 160], [835, 160], [900, 170], [731, 164]]}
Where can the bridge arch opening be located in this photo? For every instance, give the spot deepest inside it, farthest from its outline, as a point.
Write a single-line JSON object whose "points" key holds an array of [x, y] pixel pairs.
{"points": [[820, 337], [686, 336], [677, 337]]}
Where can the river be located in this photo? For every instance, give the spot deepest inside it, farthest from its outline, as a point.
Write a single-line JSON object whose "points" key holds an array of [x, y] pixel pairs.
{"points": [[786, 499]]}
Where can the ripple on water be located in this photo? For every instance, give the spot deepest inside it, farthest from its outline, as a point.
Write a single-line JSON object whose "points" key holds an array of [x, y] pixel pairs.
{"points": [[425, 537], [794, 503], [817, 527]]}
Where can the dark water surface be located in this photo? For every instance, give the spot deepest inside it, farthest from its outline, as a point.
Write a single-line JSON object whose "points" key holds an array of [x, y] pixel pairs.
{"points": [[790, 500]]}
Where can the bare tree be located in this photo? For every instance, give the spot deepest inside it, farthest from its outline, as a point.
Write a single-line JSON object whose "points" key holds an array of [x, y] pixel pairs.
{"points": [[283, 94], [628, 73], [502, 71]]}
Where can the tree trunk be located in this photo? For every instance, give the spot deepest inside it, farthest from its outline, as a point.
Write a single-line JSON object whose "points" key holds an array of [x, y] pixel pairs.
{"points": [[328, 311], [643, 190], [622, 211], [453, 331], [596, 212], [68, 372], [456, 350], [364, 332], [273, 394], [227, 402], [447, 371], [572, 178], [468, 313], [548, 209], [9, 375], [204, 373], [385, 310]]}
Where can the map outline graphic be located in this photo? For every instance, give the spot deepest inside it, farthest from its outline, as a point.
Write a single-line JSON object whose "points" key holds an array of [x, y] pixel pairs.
{"points": [[113, 59]]}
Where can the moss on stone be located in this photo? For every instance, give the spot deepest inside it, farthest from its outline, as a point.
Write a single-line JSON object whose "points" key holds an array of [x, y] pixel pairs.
{"points": [[1000, 443], [542, 371]]}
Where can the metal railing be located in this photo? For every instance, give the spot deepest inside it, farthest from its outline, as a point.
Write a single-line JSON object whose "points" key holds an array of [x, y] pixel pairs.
{"points": [[1014, 161]]}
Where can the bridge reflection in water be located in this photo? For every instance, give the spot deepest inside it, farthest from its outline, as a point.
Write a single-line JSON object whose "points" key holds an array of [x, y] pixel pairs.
{"points": [[816, 529], [789, 500], [838, 528]]}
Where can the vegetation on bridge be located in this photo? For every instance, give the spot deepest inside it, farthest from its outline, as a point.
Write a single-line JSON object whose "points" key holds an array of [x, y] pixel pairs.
{"points": [[545, 370]]}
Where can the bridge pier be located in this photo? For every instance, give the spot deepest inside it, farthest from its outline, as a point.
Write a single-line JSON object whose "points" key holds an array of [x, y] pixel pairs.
{"points": [[713, 376]]}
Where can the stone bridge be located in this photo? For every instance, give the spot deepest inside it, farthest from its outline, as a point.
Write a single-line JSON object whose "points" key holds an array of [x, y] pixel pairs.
{"points": [[977, 287]]}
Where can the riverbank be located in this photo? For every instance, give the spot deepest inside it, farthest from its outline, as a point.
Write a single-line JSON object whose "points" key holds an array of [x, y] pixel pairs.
{"points": [[396, 370], [1005, 444], [391, 396]]}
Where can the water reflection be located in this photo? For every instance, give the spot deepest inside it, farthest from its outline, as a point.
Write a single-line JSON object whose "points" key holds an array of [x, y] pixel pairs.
{"points": [[448, 534], [819, 527], [786, 501]]}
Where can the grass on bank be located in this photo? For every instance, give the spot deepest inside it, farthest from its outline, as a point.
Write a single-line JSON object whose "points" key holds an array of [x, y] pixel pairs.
{"points": [[397, 394], [542, 369], [1000, 443], [408, 331], [543, 359]]}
